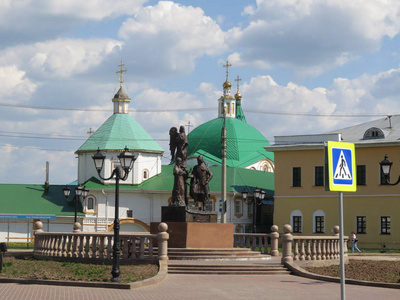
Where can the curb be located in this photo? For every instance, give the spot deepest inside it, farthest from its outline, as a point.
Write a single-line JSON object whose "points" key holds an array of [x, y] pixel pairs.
{"points": [[299, 271], [161, 275]]}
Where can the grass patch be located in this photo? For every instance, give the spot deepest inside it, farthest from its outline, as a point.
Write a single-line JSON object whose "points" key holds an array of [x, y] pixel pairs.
{"points": [[30, 268]]}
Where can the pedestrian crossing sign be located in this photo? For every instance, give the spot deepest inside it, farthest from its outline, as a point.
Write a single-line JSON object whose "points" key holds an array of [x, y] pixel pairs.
{"points": [[340, 163]]}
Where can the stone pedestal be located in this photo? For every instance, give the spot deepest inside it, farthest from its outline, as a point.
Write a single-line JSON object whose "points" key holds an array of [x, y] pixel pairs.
{"points": [[197, 235]]}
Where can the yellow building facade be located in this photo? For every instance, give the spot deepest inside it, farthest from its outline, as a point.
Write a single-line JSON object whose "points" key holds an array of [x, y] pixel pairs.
{"points": [[372, 212]]}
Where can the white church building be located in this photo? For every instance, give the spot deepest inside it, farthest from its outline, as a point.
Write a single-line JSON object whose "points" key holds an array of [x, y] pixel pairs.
{"points": [[149, 184]]}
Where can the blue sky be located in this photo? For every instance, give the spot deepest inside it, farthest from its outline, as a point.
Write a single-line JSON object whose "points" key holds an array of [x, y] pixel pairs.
{"points": [[328, 58]]}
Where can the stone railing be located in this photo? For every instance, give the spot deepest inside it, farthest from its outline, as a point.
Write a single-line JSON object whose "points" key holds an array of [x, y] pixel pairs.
{"points": [[97, 246], [266, 243], [294, 248], [311, 248]]}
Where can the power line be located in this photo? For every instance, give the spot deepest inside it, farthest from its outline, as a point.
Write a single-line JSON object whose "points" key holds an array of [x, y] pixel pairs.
{"points": [[267, 112]]}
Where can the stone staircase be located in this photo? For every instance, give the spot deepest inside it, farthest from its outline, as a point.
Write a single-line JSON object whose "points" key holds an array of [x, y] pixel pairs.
{"points": [[235, 261], [220, 253]]}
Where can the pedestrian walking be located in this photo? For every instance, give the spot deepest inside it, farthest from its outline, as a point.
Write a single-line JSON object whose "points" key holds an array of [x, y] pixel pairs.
{"points": [[355, 240]]}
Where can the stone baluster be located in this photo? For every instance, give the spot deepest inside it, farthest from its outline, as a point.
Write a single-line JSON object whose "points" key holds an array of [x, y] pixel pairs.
{"points": [[150, 248], [162, 238], [308, 251], [274, 240], [318, 249], [81, 244], [314, 250], [287, 241], [87, 246], [125, 247], [141, 250], [296, 255], [109, 243], [302, 250], [323, 250], [101, 247]]}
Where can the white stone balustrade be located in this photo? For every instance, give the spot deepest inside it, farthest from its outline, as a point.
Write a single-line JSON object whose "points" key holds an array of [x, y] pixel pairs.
{"points": [[310, 248], [97, 246], [266, 243]]}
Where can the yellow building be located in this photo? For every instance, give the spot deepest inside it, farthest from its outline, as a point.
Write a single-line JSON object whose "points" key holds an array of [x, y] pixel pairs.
{"points": [[372, 212]]}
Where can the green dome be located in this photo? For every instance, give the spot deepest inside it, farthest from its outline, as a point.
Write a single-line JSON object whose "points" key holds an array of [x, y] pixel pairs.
{"points": [[118, 131], [245, 144]]}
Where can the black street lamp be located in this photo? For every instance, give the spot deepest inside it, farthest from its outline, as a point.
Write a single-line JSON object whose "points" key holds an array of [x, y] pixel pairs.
{"points": [[258, 197], [386, 165], [121, 172], [80, 195]]}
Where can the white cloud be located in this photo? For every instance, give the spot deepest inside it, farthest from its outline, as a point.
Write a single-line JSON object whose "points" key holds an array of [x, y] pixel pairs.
{"points": [[14, 85], [313, 36], [167, 38], [59, 58], [39, 20]]}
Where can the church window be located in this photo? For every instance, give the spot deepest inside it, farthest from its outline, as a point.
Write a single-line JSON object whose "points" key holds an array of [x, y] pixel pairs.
{"points": [[90, 203], [129, 213], [145, 174], [238, 207]]}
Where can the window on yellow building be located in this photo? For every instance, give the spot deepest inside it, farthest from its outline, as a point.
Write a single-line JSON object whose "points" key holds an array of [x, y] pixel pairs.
{"points": [[361, 224], [361, 175], [297, 224], [319, 224], [319, 176], [385, 225], [296, 176]]}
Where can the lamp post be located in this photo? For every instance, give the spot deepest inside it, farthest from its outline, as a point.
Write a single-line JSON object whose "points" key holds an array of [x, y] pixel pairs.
{"points": [[386, 165], [121, 172], [258, 197], [80, 195]]}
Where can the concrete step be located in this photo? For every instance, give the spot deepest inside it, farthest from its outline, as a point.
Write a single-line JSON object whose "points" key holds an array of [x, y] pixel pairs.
{"points": [[223, 253], [227, 269]]}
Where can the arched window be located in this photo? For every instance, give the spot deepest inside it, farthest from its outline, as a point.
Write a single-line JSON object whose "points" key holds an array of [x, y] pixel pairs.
{"points": [[145, 174], [319, 221], [296, 221], [90, 204]]}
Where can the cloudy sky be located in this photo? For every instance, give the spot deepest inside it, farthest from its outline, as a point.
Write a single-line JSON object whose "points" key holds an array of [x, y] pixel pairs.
{"points": [[306, 66]]}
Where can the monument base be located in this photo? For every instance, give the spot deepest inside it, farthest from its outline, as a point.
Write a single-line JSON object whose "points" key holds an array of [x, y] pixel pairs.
{"points": [[197, 235], [182, 214]]}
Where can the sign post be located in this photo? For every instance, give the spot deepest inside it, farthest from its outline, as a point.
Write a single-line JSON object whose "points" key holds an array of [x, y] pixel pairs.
{"points": [[340, 176]]}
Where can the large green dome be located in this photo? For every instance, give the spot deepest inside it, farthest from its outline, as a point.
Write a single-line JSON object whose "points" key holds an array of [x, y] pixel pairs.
{"points": [[245, 144]]}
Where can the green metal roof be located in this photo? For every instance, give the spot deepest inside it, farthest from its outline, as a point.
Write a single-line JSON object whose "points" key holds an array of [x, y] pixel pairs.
{"points": [[237, 179], [21, 199], [118, 131], [245, 144]]}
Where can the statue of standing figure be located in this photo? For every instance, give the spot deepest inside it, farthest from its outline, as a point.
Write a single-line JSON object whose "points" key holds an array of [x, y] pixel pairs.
{"points": [[179, 192], [201, 176], [179, 143]]}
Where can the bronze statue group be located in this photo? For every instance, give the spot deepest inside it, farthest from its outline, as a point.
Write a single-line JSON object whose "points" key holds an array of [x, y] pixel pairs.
{"points": [[199, 177]]}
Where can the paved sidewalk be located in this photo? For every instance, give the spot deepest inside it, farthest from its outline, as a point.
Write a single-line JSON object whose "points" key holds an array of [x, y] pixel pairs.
{"points": [[177, 287]]}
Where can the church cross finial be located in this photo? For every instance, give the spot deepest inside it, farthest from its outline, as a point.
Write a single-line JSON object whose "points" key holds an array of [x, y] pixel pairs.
{"points": [[227, 65], [121, 72], [188, 127], [237, 81], [90, 132]]}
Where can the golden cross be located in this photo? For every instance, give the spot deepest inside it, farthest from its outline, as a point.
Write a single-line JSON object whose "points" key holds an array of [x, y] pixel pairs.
{"points": [[227, 65], [237, 80], [121, 73]]}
